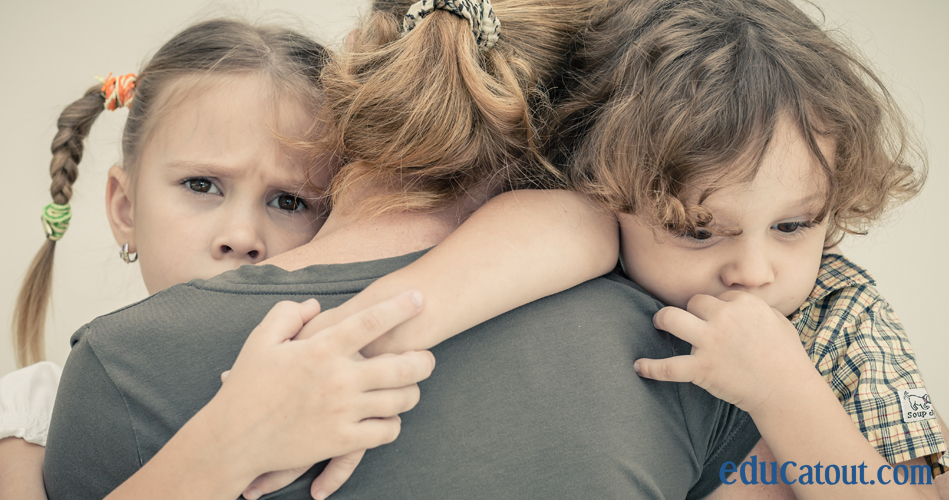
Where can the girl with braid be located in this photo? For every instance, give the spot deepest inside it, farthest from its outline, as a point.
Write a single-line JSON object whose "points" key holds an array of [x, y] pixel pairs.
{"points": [[153, 102]]}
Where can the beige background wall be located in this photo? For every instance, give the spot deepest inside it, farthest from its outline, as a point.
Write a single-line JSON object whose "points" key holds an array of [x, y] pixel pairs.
{"points": [[50, 52]]}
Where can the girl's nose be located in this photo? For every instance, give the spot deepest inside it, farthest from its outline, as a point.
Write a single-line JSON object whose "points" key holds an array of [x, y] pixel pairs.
{"points": [[240, 241], [749, 267]]}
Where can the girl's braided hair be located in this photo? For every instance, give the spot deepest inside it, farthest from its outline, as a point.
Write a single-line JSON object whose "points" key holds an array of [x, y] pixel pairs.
{"points": [[290, 60]]}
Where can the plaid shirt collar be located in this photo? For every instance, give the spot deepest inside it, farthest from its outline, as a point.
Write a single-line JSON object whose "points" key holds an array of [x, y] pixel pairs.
{"points": [[836, 272]]}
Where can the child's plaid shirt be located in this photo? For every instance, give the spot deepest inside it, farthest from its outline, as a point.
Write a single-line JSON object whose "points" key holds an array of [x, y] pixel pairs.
{"points": [[858, 344]]}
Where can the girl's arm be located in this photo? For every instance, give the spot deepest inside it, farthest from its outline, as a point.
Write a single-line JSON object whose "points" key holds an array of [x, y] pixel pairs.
{"points": [[26, 403], [519, 247], [21, 470]]}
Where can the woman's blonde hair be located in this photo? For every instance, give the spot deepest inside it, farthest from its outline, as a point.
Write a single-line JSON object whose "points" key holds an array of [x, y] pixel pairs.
{"points": [[680, 96], [429, 116], [292, 62]]}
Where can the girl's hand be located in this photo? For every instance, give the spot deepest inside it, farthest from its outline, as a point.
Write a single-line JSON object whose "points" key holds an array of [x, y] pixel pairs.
{"points": [[743, 351], [337, 472], [304, 401], [288, 404], [342, 466]]}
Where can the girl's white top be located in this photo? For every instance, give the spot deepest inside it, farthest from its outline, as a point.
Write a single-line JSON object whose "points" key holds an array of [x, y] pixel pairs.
{"points": [[26, 401]]}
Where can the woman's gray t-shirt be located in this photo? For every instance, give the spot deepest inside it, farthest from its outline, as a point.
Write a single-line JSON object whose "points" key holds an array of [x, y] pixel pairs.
{"points": [[541, 402]]}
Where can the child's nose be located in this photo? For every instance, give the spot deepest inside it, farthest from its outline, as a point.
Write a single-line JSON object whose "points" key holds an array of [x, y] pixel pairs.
{"points": [[749, 267], [239, 241]]}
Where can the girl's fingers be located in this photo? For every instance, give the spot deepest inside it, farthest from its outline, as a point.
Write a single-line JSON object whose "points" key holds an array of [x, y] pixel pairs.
{"points": [[271, 482], [374, 432], [391, 371], [674, 369], [337, 471], [390, 402], [354, 332], [322, 321], [681, 323], [284, 321]]}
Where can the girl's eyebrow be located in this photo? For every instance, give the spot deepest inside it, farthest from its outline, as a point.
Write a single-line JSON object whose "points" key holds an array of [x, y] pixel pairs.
{"points": [[288, 183], [203, 168]]}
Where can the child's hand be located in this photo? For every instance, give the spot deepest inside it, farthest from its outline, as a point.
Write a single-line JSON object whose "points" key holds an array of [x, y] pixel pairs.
{"points": [[340, 468], [337, 471], [327, 398], [743, 351]]}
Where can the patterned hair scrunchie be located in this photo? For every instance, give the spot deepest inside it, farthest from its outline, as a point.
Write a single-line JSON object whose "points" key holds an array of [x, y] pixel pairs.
{"points": [[117, 91], [479, 13], [56, 220]]}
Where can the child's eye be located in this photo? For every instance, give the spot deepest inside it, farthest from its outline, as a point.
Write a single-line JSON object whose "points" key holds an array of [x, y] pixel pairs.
{"points": [[791, 227], [699, 237], [289, 203], [699, 233], [201, 185]]}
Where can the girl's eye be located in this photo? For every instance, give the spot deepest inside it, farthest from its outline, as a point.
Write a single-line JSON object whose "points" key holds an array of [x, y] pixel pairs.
{"points": [[289, 203], [202, 185]]}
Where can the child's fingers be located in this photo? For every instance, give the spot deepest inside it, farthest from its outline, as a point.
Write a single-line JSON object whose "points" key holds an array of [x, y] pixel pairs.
{"points": [[674, 369], [336, 473], [271, 482], [679, 322], [323, 321], [353, 333], [283, 321], [703, 306], [391, 371], [390, 402], [373, 432]]}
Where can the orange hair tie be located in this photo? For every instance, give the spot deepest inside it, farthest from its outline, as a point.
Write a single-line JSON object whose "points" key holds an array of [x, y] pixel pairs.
{"points": [[117, 91]]}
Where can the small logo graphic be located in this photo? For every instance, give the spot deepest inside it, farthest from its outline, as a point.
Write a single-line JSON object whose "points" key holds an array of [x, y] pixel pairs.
{"points": [[916, 405], [917, 402]]}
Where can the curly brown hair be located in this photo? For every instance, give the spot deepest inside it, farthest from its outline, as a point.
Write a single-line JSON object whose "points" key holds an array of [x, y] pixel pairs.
{"points": [[676, 96]]}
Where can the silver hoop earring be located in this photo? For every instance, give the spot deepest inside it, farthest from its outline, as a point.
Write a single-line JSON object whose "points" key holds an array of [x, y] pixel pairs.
{"points": [[124, 253]]}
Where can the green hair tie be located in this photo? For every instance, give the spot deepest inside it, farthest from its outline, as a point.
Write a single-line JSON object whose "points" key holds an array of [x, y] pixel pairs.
{"points": [[56, 220]]}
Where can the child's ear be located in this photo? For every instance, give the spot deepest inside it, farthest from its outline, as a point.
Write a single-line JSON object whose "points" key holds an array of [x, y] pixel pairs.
{"points": [[351, 38], [118, 206]]}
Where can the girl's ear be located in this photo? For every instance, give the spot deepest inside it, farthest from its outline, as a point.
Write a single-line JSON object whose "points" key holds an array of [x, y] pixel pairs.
{"points": [[118, 206]]}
